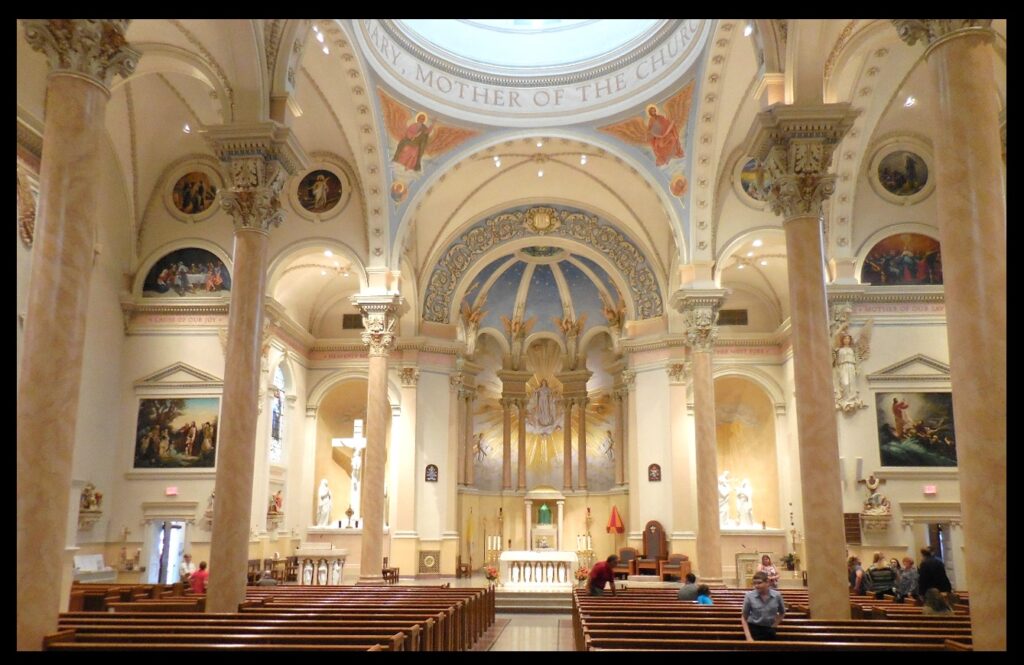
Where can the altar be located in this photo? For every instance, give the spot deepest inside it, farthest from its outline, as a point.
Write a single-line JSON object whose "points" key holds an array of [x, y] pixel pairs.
{"points": [[551, 570]]}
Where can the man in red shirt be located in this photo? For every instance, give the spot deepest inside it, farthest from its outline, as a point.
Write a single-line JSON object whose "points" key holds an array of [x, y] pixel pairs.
{"points": [[601, 573], [198, 579]]}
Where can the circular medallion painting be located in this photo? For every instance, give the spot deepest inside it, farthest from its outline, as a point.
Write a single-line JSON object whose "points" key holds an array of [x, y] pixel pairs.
{"points": [[319, 191], [193, 193], [903, 173], [748, 180]]}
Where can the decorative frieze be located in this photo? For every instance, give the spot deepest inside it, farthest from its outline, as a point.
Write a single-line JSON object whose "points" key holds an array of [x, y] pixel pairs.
{"points": [[94, 48]]}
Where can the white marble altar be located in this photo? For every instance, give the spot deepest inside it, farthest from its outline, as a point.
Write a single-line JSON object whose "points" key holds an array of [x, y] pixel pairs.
{"points": [[320, 563], [549, 570]]}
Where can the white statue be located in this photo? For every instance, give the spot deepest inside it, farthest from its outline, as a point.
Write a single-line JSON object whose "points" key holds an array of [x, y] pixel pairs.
{"points": [[543, 404], [724, 490], [745, 503], [847, 353], [323, 506]]}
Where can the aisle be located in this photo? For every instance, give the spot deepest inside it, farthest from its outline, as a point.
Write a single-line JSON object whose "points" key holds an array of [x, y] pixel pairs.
{"points": [[528, 632]]}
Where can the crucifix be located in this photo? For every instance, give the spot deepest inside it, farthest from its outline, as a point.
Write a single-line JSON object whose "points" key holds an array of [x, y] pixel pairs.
{"points": [[357, 443], [871, 482]]}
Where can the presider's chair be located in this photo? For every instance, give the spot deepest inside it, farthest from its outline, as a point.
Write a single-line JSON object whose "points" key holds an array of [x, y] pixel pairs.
{"points": [[627, 562]]}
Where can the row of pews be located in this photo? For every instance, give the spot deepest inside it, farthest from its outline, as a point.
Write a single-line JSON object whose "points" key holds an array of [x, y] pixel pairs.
{"points": [[359, 618], [654, 620]]}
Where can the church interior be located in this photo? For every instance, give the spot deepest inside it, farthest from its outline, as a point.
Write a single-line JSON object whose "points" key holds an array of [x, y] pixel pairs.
{"points": [[440, 295]]}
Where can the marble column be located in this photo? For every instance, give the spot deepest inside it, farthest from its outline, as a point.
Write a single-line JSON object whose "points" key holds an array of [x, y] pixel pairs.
{"points": [[700, 312], [469, 394], [971, 211], [682, 473], [581, 443], [380, 319], [404, 534], [795, 145], [567, 445], [521, 442], [84, 56], [619, 450], [256, 161], [528, 507], [460, 434], [506, 443]]}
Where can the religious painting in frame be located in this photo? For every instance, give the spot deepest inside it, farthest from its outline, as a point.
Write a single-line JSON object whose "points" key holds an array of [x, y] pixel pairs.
{"points": [[903, 173], [430, 475], [654, 473], [177, 433], [193, 193], [903, 259], [190, 271], [916, 429], [319, 191]]}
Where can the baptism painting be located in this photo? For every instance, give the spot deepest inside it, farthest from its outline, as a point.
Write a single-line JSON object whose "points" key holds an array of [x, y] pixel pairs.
{"points": [[319, 191], [903, 173], [905, 258], [190, 271], [193, 193], [177, 433], [916, 429]]}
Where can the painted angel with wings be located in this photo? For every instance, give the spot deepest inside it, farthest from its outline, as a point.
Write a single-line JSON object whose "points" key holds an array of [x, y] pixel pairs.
{"points": [[662, 132], [416, 138], [847, 353], [470, 317], [517, 329]]}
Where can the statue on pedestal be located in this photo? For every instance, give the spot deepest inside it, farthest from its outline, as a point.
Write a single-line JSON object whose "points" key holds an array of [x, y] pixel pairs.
{"points": [[745, 503], [323, 506], [724, 490]]}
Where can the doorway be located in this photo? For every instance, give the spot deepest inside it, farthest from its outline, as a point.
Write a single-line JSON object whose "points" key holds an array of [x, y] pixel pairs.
{"points": [[938, 540], [168, 547]]}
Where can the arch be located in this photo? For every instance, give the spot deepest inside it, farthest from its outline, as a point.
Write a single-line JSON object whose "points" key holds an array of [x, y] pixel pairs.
{"points": [[290, 44], [498, 337], [732, 244], [765, 381], [180, 243], [325, 384], [649, 173], [591, 335], [536, 337], [166, 58], [281, 257], [841, 83]]}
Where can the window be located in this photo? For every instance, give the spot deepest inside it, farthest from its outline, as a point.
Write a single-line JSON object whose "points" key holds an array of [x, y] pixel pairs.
{"points": [[732, 317], [276, 452], [352, 321]]}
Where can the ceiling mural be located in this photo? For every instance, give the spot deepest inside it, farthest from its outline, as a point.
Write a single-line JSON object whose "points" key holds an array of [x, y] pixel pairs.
{"points": [[498, 283], [661, 130]]}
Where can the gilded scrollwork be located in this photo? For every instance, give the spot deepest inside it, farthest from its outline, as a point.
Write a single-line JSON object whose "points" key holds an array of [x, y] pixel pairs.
{"points": [[563, 223], [95, 48]]}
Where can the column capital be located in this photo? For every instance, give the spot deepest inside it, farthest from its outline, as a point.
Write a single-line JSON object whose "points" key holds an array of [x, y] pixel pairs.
{"points": [[699, 308], [628, 378], [380, 317], [677, 373], [793, 145], [467, 393], [256, 160], [934, 31], [410, 376], [455, 380], [93, 48]]}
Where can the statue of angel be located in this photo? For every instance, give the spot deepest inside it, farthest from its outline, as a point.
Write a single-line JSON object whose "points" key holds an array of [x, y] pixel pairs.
{"points": [[847, 353], [661, 132], [416, 138]]}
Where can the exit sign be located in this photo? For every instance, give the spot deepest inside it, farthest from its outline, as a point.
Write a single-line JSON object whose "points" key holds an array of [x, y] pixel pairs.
{"points": [[930, 490], [171, 491]]}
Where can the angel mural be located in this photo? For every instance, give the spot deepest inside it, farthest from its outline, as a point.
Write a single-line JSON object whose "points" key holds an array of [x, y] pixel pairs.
{"points": [[847, 354], [517, 330], [571, 330], [661, 132], [470, 318], [416, 137]]}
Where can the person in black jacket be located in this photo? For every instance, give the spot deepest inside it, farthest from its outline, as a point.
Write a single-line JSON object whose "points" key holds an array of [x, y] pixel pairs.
{"points": [[932, 573]]}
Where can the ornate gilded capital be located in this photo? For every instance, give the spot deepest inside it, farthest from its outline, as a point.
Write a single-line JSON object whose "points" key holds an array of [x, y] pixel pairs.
{"points": [[628, 380], [455, 380], [94, 48], [794, 147], [700, 313], [380, 317], [256, 161], [467, 393], [933, 31], [410, 376]]}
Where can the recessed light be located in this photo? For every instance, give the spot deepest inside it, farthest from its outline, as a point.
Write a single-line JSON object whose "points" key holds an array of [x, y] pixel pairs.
{"points": [[764, 262], [186, 129], [327, 51], [328, 252], [757, 243], [323, 272], [316, 29], [583, 160], [497, 163], [540, 173], [741, 266], [748, 30], [749, 254], [911, 100], [540, 144], [320, 37]]}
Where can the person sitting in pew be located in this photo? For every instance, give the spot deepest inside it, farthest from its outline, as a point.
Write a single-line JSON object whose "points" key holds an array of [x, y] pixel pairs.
{"points": [[935, 603], [266, 579], [704, 595], [688, 591]]}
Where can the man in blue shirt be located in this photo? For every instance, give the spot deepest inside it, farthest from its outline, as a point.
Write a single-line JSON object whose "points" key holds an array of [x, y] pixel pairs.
{"points": [[763, 610]]}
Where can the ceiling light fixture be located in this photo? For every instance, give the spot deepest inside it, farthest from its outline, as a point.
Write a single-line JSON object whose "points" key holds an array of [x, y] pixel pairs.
{"points": [[540, 144], [327, 51], [497, 163], [323, 272], [540, 173], [316, 29], [328, 252], [747, 31], [749, 254], [186, 129], [764, 262], [741, 266], [583, 160], [911, 100], [757, 243]]}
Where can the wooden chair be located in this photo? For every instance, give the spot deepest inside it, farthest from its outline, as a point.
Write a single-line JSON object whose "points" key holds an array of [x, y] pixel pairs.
{"points": [[627, 562], [677, 565], [655, 549], [461, 569]]}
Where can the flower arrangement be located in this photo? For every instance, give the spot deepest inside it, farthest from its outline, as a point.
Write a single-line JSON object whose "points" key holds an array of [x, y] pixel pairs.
{"points": [[491, 573], [790, 560], [582, 573]]}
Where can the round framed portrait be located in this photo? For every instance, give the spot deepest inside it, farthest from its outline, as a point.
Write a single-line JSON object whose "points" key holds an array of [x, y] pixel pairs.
{"points": [[900, 172], [191, 194], [322, 192], [749, 183]]}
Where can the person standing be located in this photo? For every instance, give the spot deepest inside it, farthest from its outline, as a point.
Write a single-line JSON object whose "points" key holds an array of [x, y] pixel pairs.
{"points": [[768, 568], [763, 610], [932, 573], [906, 586], [600, 574], [198, 579], [186, 568], [857, 582]]}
